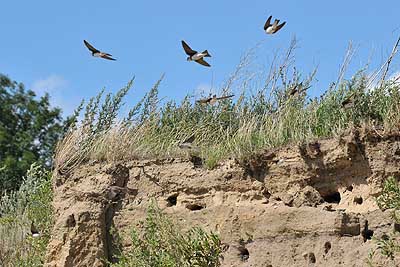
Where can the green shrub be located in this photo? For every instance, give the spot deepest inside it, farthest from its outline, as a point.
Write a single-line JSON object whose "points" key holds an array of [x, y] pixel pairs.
{"points": [[18, 210], [161, 243], [388, 245], [390, 196]]}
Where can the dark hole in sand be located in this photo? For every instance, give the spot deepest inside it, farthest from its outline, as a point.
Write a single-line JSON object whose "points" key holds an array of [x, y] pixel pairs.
{"points": [[327, 247], [172, 200], [349, 188], [244, 253], [396, 227], [332, 198], [197, 161], [194, 207], [311, 258], [358, 200], [366, 233]]}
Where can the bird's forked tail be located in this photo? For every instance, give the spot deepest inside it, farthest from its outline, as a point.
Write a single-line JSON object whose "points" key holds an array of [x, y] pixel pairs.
{"points": [[206, 54]]}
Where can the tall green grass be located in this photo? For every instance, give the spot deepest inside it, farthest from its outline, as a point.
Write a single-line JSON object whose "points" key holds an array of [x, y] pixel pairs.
{"points": [[18, 209], [264, 114]]}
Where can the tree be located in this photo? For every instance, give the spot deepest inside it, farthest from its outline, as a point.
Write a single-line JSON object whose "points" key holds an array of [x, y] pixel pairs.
{"points": [[29, 130]]}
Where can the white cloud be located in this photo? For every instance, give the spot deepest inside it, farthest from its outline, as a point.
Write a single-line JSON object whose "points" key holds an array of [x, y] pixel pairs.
{"points": [[55, 85], [49, 85]]}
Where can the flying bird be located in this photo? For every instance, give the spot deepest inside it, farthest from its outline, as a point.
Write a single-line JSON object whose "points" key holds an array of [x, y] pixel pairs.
{"points": [[212, 100], [193, 55], [274, 27], [298, 88], [349, 101], [188, 143], [98, 53], [34, 231]]}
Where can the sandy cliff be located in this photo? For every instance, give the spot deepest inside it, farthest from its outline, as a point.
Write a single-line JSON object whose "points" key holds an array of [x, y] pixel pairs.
{"points": [[308, 205]]}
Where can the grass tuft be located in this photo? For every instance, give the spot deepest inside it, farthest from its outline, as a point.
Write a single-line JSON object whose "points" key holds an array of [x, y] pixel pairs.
{"points": [[161, 243]]}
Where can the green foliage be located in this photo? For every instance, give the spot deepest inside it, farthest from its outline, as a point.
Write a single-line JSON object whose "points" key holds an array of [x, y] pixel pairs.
{"points": [[29, 130], [18, 209], [388, 245], [390, 196], [160, 243]]}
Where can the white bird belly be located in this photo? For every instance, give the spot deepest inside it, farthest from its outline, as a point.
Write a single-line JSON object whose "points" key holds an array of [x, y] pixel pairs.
{"points": [[270, 30], [197, 56]]}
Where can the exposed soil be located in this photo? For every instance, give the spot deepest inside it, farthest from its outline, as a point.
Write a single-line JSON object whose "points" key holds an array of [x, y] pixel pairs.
{"points": [[308, 205]]}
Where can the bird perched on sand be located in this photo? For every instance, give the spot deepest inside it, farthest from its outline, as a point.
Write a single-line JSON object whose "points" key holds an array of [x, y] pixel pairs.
{"points": [[98, 53], [274, 27], [212, 100], [193, 55], [34, 231]]}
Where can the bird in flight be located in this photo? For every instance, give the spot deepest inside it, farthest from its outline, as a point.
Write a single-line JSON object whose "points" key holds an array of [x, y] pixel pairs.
{"points": [[97, 53], [274, 27], [298, 88], [348, 103], [188, 143], [193, 55], [212, 100]]}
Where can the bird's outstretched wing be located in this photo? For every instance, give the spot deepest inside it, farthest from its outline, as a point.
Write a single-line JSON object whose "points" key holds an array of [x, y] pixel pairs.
{"points": [[267, 23], [347, 103], [189, 140], [106, 56], [189, 51], [280, 26], [225, 97], [90, 47], [203, 62]]}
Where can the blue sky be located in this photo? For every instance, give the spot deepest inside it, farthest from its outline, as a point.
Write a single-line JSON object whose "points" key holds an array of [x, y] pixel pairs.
{"points": [[42, 41]]}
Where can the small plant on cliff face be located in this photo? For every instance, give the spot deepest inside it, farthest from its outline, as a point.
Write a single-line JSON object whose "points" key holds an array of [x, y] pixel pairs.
{"points": [[388, 245], [18, 210], [390, 196], [161, 243]]}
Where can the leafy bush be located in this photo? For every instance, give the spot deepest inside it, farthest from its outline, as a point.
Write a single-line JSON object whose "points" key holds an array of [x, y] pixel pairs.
{"points": [[18, 210], [161, 243]]}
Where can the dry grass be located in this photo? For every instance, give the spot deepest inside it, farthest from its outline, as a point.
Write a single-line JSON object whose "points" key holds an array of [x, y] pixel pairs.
{"points": [[270, 111]]}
